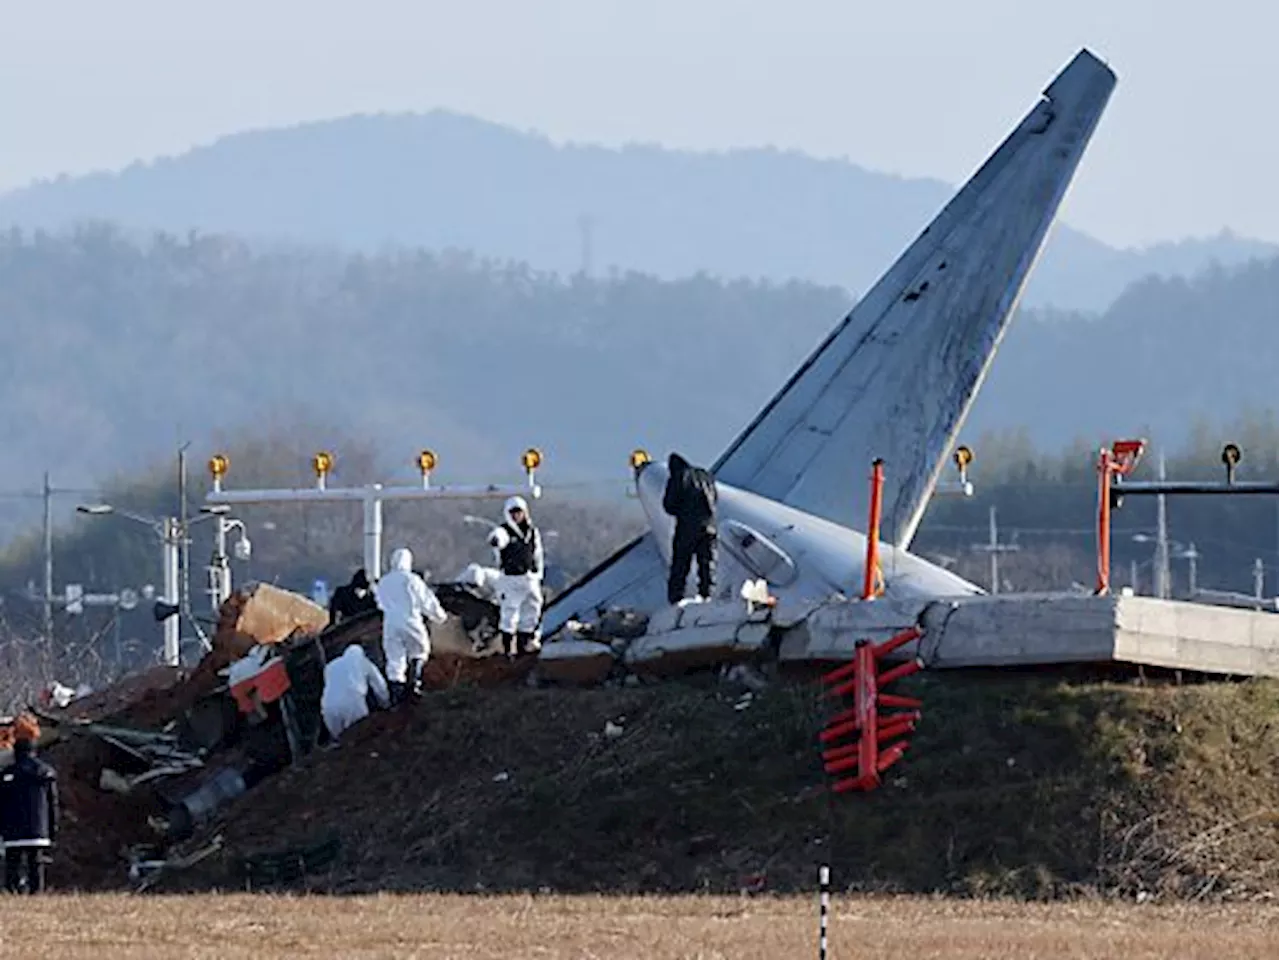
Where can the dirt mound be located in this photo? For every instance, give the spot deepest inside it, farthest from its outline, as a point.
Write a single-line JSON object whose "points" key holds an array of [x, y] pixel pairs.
{"points": [[213, 739], [96, 825], [126, 694], [1027, 786]]}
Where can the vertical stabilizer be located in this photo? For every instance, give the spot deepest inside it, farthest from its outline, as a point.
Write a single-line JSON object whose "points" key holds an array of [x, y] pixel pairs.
{"points": [[897, 377]]}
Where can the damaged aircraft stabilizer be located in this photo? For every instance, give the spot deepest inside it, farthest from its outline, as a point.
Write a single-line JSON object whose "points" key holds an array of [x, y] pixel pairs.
{"points": [[894, 380]]}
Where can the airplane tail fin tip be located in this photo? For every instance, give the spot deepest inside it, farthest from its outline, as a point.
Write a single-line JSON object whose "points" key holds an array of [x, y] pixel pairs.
{"points": [[1084, 63]]}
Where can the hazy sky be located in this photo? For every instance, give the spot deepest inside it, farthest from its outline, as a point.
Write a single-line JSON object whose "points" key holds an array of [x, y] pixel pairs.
{"points": [[1188, 146]]}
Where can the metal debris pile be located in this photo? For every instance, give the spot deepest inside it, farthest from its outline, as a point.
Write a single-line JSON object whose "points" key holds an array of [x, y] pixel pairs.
{"points": [[150, 762]]}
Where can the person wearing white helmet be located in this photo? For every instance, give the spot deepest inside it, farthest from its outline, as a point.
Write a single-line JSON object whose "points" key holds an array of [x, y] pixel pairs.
{"points": [[404, 599], [518, 546]]}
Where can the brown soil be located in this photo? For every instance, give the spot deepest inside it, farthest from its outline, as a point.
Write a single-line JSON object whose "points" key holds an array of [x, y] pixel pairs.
{"points": [[1027, 786], [1019, 786], [96, 825]]}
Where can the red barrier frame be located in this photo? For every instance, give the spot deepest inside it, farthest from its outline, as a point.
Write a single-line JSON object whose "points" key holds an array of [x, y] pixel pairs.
{"points": [[871, 753]]}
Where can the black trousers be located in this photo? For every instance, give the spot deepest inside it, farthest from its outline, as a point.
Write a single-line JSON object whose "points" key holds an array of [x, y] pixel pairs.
{"points": [[24, 860], [686, 546]]}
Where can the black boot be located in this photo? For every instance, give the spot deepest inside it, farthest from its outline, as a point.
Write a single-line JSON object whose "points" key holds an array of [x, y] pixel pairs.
{"points": [[415, 677], [524, 643], [396, 689], [509, 644]]}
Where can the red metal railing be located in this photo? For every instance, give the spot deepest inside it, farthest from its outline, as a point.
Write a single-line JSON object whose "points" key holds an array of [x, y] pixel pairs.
{"points": [[871, 753]]}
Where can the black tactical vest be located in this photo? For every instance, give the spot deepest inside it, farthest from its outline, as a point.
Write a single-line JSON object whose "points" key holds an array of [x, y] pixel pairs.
{"points": [[518, 557]]}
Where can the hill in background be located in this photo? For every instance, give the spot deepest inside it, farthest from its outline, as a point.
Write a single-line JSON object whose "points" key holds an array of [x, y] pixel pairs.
{"points": [[441, 180], [114, 350]]}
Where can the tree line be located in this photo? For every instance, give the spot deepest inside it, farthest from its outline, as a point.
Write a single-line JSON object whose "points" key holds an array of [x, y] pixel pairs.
{"points": [[117, 346], [1045, 504]]}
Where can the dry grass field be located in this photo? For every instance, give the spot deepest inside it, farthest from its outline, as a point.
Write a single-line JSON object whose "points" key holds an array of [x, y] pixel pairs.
{"points": [[232, 927]]}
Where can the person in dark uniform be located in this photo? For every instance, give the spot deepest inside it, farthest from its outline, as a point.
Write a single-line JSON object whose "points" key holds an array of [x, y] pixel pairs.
{"points": [[28, 817], [690, 497], [352, 599]]}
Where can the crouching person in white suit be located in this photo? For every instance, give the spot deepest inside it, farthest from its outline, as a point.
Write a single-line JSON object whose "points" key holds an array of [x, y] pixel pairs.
{"points": [[348, 680], [405, 599], [518, 546]]}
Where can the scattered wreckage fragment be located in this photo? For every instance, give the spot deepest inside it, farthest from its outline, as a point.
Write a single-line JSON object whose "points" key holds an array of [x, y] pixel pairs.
{"points": [[576, 662], [695, 636], [146, 863], [253, 705]]}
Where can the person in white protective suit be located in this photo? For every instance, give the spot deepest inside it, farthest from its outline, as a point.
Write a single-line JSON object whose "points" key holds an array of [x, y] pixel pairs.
{"points": [[518, 546], [348, 680], [404, 599]]}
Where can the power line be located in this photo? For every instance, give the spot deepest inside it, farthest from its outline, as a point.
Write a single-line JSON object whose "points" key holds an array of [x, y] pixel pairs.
{"points": [[39, 494], [975, 528]]}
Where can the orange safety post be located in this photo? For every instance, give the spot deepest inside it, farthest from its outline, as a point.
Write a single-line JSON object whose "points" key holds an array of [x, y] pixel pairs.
{"points": [[1103, 583], [1120, 460], [872, 583]]}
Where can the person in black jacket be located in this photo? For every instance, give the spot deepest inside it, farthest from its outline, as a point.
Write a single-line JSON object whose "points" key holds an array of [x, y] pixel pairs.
{"points": [[690, 497], [352, 599], [28, 816]]}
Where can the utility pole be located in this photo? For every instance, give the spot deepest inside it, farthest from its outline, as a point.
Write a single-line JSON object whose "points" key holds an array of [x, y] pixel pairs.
{"points": [[993, 547], [1133, 575], [171, 537], [184, 541], [1259, 578], [1161, 572], [1192, 556], [48, 559]]}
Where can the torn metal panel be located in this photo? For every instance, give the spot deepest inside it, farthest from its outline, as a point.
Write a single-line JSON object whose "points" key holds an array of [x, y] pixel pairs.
{"points": [[635, 576]]}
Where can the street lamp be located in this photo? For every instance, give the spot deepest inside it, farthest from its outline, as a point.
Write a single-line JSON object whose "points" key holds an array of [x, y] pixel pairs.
{"points": [[219, 569], [106, 509], [173, 534], [170, 534]]}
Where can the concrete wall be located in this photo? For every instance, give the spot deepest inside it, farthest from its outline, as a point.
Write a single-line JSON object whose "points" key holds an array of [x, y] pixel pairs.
{"points": [[1194, 636], [1026, 629]]}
